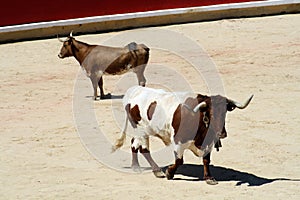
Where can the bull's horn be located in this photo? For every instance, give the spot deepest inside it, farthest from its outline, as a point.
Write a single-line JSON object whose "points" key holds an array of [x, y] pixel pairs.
{"points": [[197, 107], [71, 34], [61, 40], [239, 105]]}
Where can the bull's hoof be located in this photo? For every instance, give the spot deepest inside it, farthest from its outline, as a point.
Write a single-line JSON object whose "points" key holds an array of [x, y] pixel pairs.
{"points": [[106, 96], [136, 168], [211, 181], [159, 174], [169, 175]]}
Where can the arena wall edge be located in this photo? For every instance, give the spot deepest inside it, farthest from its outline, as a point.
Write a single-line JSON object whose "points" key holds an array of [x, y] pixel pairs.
{"points": [[145, 19]]}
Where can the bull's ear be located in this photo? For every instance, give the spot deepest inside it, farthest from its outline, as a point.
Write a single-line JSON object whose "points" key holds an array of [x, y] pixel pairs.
{"points": [[203, 108], [230, 106]]}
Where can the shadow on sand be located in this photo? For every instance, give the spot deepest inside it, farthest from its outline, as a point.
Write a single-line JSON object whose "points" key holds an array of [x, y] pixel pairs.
{"points": [[110, 96], [224, 174], [117, 96]]}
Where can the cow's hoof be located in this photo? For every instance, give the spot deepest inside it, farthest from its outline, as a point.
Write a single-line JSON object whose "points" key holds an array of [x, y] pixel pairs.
{"points": [[159, 174], [211, 181], [106, 96], [169, 175]]}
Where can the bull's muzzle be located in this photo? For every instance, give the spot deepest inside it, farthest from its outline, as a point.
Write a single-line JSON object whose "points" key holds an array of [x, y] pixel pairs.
{"points": [[222, 135]]}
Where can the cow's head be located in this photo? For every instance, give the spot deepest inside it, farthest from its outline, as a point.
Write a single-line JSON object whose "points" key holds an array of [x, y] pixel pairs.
{"points": [[213, 112], [66, 49]]}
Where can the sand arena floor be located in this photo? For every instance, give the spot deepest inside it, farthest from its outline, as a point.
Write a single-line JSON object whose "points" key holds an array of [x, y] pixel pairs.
{"points": [[42, 156]]}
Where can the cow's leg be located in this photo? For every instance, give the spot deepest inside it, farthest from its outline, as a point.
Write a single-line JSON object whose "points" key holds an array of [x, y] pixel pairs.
{"points": [[94, 83], [102, 95], [207, 175], [139, 71], [172, 169]]}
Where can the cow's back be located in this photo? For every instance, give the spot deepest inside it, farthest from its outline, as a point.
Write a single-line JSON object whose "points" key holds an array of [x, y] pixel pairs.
{"points": [[102, 56]]}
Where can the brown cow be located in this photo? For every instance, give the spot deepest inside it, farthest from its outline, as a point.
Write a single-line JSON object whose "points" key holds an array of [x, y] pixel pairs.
{"points": [[186, 120], [97, 60]]}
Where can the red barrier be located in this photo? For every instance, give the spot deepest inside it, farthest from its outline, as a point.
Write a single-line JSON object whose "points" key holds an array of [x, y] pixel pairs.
{"points": [[22, 12]]}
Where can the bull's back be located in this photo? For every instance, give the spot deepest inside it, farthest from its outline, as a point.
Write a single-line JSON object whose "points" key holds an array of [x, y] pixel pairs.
{"points": [[141, 96], [165, 105]]}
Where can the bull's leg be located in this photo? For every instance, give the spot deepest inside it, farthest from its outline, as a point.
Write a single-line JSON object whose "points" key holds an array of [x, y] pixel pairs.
{"points": [[155, 168], [179, 149], [142, 144], [207, 175], [172, 169], [102, 95], [135, 162]]}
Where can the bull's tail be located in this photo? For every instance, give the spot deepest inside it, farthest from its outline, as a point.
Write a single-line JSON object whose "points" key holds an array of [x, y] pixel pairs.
{"points": [[119, 142]]}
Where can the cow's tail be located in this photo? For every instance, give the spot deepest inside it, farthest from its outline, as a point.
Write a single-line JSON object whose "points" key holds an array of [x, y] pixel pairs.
{"points": [[146, 48], [119, 142]]}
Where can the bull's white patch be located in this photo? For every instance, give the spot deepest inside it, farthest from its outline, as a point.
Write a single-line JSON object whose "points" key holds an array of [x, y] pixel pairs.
{"points": [[198, 152], [140, 141]]}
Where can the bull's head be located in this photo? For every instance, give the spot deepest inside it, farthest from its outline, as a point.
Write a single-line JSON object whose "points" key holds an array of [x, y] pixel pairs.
{"points": [[213, 112], [66, 49]]}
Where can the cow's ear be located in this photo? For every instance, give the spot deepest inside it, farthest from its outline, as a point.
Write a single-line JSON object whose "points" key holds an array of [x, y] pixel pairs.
{"points": [[70, 40], [230, 106]]}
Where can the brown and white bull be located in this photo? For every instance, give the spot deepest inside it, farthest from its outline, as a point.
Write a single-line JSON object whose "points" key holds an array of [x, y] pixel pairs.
{"points": [[186, 120], [97, 60]]}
